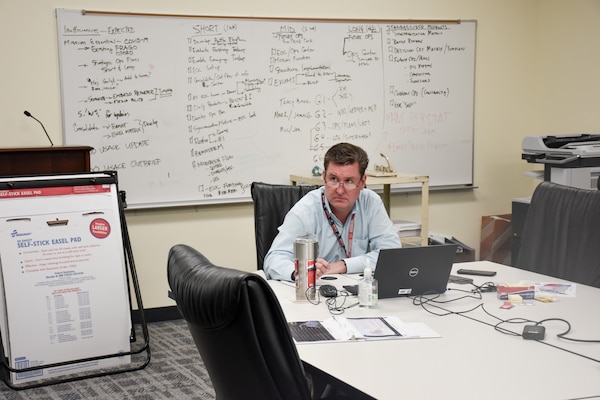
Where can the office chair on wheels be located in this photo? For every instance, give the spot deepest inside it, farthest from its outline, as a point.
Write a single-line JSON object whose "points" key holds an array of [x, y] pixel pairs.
{"points": [[238, 327], [561, 234], [271, 204]]}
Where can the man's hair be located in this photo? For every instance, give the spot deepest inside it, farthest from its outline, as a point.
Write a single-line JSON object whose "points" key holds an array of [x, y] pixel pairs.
{"points": [[346, 154]]}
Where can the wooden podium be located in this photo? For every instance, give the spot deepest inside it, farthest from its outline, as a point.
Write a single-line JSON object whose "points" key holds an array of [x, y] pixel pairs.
{"points": [[44, 160]]}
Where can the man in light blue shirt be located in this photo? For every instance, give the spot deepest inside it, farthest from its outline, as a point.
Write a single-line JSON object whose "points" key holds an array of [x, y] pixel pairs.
{"points": [[349, 220]]}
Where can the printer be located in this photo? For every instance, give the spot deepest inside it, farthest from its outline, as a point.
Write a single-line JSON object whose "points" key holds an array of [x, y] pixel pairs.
{"points": [[571, 160]]}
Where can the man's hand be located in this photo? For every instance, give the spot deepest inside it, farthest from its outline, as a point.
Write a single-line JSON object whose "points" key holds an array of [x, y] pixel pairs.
{"points": [[325, 268]]}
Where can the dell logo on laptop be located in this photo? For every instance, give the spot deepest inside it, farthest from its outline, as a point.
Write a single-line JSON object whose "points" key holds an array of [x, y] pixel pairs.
{"points": [[413, 272]]}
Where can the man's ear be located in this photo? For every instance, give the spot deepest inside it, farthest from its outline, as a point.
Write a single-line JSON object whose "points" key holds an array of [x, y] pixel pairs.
{"points": [[364, 180]]}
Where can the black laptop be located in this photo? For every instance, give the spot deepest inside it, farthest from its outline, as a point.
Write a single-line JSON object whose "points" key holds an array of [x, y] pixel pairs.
{"points": [[414, 271]]}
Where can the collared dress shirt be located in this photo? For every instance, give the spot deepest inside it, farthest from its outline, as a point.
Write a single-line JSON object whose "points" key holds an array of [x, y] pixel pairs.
{"points": [[373, 230]]}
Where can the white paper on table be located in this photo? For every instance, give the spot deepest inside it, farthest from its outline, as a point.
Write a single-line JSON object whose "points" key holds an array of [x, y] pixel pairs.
{"points": [[373, 328], [555, 289]]}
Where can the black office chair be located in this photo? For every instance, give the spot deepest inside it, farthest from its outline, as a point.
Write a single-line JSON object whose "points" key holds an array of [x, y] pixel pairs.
{"points": [[271, 204], [561, 234], [238, 327]]}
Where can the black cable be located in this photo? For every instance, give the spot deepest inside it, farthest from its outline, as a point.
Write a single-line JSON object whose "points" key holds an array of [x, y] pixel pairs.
{"points": [[433, 298], [307, 296], [332, 302], [433, 301], [510, 321], [562, 335], [498, 327], [485, 287]]}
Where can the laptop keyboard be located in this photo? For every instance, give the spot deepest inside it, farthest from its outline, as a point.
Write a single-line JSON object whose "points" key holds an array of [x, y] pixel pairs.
{"points": [[310, 331]]}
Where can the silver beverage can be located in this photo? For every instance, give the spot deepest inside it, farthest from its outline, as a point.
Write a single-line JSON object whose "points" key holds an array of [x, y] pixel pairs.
{"points": [[306, 249]]}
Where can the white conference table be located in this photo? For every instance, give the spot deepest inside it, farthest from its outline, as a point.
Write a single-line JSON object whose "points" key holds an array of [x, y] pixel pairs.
{"points": [[471, 360]]}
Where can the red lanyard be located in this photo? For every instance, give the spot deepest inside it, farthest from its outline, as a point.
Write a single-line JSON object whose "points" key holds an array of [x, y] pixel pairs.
{"points": [[337, 232]]}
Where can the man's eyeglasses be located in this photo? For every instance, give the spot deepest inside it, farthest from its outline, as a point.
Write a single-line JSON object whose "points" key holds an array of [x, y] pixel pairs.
{"points": [[333, 183]]}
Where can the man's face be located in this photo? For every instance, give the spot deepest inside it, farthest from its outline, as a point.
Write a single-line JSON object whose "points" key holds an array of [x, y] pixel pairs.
{"points": [[342, 198]]}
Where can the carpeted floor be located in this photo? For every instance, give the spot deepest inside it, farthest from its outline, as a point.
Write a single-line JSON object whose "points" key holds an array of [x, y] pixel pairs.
{"points": [[175, 372]]}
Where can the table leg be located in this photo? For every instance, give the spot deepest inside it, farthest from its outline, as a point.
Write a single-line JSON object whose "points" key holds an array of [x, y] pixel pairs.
{"points": [[386, 197]]}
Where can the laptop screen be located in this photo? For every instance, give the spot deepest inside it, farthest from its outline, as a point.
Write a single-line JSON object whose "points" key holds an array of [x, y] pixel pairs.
{"points": [[414, 271]]}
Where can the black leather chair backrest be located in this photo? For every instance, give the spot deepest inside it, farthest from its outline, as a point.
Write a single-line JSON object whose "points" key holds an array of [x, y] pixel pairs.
{"points": [[238, 327], [561, 235], [271, 204]]}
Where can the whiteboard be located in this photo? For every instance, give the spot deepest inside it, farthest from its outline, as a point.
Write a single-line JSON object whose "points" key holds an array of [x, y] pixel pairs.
{"points": [[191, 110]]}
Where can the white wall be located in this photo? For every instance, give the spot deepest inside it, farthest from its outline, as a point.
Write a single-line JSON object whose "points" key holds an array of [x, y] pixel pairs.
{"points": [[536, 73]]}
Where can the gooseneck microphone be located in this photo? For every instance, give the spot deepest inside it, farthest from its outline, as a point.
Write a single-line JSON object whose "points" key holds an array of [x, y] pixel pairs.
{"points": [[27, 113]]}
